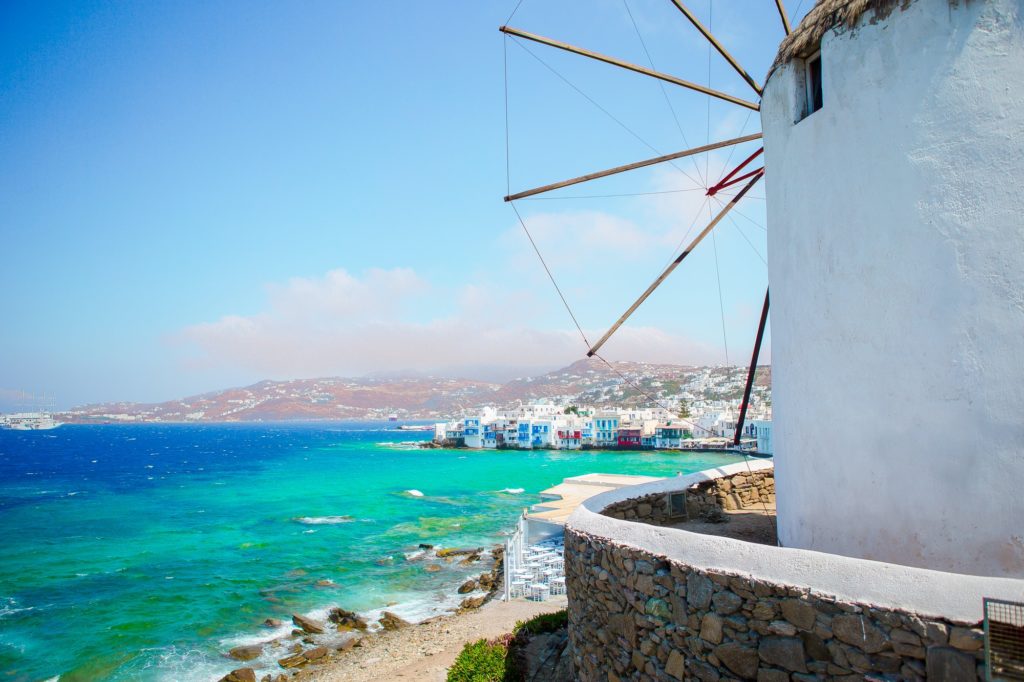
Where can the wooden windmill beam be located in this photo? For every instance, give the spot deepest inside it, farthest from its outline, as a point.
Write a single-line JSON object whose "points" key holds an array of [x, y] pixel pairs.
{"points": [[632, 166], [673, 265], [750, 373], [717, 45], [627, 65], [785, 19]]}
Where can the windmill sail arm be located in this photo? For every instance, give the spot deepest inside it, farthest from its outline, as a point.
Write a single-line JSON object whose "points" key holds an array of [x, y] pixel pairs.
{"points": [[632, 166], [629, 66], [717, 45], [782, 14]]}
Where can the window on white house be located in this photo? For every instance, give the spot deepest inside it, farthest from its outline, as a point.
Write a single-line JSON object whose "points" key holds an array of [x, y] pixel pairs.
{"points": [[813, 84]]}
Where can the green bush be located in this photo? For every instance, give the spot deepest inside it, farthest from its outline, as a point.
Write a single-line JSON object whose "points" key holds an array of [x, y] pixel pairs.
{"points": [[500, 660], [480, 661], [545, 622]]}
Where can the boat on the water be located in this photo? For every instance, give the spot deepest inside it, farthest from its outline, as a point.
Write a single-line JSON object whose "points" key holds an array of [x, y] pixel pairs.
{"points": [[28, 421]]}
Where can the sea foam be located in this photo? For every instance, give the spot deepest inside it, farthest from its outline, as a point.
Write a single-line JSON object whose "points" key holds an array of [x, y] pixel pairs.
{"points": [[323, 520]]}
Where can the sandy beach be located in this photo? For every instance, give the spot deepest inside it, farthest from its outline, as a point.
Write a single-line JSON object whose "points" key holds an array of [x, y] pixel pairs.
{"points": [[425, 651]]}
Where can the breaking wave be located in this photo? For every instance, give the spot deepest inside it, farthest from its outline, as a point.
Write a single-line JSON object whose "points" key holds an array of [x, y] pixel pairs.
{"points": [[324, 520]]}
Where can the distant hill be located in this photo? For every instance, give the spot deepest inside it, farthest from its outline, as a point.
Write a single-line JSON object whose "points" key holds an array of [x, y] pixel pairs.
{"points": [[585, 381]]}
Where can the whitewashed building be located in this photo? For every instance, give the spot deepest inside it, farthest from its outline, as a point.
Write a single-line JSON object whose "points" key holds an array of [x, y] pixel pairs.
{"points": [[895, 154]]}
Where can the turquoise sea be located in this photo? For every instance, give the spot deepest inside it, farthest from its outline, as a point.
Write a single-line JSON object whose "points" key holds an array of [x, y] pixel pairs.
{"points": [[144, 552]]}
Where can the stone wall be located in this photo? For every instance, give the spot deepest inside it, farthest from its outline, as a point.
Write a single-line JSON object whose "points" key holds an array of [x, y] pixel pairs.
{"points": [[738, 491], [634, 615]]}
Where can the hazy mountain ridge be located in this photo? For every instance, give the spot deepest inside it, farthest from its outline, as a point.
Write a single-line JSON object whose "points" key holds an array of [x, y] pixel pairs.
{"points": [[585, 381]]}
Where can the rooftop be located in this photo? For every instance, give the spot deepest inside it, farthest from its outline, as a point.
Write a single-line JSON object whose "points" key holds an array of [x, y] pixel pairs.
{"points": [[828, 14]]}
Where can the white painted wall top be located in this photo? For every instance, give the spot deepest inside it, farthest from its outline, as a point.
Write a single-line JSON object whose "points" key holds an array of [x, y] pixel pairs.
{"points": [[921, 591], [896, 265]]}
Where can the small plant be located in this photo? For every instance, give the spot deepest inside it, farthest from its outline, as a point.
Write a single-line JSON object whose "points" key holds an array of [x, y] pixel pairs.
{"points": [[545, 622], [480, 661]]}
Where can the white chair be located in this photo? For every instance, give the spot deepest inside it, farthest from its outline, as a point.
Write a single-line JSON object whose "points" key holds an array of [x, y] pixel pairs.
{"points": [[519, 588], [557, 586], [539, 592]]}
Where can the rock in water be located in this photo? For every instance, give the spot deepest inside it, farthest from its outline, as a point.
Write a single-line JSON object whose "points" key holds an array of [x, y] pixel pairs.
{"points": [[467, 586], [424, 545], [293, 661], [309, 626], [246, 653], [456, 552], [390, 621], [315, 653], [346, 619], [472, 603], [240, 675], [348, 643], [432, 568], [273, 623], [469, 560], [303, 657]]}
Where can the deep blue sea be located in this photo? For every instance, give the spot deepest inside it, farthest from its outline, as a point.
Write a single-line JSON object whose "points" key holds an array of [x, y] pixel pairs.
{"points": [[144, 552]]}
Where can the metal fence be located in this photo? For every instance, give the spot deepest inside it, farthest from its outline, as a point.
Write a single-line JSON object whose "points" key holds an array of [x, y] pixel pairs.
{"points": [[1004, 640]]}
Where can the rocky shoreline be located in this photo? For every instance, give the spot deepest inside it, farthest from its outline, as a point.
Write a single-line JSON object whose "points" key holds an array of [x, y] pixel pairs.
{"points": [[312, 642]]}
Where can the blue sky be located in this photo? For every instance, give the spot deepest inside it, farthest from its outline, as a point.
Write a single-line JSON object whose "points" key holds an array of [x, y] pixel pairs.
{"points": [[199, 195]]}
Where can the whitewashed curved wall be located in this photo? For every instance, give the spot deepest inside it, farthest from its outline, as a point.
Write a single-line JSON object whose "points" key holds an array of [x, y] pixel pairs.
{"points": [[896, 265]]}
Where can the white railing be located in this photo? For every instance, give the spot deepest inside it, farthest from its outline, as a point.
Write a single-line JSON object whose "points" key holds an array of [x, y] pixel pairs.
{"points": [[514, 554]]}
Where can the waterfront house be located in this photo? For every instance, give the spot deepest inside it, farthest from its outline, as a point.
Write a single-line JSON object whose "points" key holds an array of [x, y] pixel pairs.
{"points": [[524, 438], [587, 432], [761, 431], [568, 438], [606, 429], [508, 434], [630, 438], [541, 434], [671, 435], [471, 432], [489, 435]]}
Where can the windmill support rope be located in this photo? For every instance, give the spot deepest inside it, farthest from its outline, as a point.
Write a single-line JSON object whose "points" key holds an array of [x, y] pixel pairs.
{"points": [[717, 45], [551, 276], [629, 66], [673, 265], [603, 110], [652, 399], [632, 166]]}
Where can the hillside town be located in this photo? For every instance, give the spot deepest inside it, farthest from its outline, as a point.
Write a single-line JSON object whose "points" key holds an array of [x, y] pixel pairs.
{"points": [[685, 420], [586, 382]]}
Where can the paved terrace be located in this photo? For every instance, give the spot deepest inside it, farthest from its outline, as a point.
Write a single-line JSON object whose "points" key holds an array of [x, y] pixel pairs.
{"points": [[561, 500]]}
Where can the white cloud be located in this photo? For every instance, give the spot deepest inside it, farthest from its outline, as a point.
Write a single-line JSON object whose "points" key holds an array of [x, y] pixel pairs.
{"points": [[576, 239], [344, 324]]}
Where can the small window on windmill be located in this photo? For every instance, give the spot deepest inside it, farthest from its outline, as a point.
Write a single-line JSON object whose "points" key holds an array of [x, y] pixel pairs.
{"points": [[812, 78]]}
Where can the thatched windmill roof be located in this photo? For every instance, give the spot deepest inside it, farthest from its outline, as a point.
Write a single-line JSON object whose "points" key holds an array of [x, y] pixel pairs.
{"points": [[827, 14]]}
